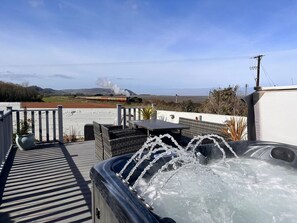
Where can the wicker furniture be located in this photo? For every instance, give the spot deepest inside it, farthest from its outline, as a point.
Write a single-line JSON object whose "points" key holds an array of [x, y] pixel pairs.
{"points": [[156, 126], [114, 140], [117, 142], [99, 151], [99, 147], [88, 132], [199, 128]]}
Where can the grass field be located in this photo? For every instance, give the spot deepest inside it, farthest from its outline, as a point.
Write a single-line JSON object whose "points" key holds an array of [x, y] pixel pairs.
{"points": [[160, 101], [195, 99], [61, 99]]}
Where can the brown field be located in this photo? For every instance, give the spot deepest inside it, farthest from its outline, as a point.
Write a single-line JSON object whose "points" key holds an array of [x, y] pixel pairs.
{"points": [[195, 99], [72, 102], [66, 105]]}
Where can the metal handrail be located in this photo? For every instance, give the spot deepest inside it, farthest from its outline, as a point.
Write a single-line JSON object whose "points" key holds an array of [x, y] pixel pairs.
{"points": [[126, 114], [40, 122], [6, 134], [45, 123]]}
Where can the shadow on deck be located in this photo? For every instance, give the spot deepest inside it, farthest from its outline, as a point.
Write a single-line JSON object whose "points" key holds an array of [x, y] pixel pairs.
{"points": [[49, 185]]}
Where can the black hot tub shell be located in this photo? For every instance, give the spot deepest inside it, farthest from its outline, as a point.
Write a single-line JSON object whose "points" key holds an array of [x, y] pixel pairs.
{"points": [[114, 202]]}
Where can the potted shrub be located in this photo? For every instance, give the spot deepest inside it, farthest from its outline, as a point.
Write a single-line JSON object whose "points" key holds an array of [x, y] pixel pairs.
{"points": [[148, 112], [24, 139], [235, 129]]}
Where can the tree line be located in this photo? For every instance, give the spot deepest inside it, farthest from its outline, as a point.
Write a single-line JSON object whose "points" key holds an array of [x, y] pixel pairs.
{"points": [[226, 101], [223, 101], [10, 92]]}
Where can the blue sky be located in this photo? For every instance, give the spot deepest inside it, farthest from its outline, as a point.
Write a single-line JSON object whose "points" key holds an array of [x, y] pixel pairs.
{"points": [[148, 46]]}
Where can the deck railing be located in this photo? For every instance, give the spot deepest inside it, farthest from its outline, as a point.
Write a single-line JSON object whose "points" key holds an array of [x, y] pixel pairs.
{"points": [[46, 124], [126, 114], [6, 133]]}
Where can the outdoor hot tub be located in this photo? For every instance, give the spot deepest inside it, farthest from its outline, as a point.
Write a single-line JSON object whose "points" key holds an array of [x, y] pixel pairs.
{"points": [[113, 200]]}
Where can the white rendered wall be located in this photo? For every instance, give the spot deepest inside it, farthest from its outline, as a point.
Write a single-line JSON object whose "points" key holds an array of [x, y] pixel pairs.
{"points": [[14, 105], [74, 119], [167, 116], [276, 116]]}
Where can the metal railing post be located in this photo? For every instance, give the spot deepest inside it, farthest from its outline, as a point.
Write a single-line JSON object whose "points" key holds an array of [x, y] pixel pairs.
{"points": [[2, 143], [40, 125], [54, 126], [139, 113], [10, 125], [124, 118], [119, 114], [60, 123], [47, 126], [33, 122]]}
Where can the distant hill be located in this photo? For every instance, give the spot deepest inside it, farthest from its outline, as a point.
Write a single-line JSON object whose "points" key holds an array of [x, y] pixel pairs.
{"points": [[82, 91], [44, 91], [88, 91], [93, 91]]}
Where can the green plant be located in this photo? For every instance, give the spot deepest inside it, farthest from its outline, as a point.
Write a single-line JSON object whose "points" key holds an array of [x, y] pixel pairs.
{"points": [[147, 112], [235, 129], [225, 101], [188, 106], [25, 124]]}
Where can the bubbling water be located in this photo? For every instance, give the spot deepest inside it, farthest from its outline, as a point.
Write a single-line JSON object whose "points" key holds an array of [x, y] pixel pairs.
{"points": [[227, 190], [248, 190]]}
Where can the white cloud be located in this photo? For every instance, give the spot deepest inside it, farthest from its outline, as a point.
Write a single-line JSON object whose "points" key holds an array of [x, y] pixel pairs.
{"points": [[24, 44], [131, 4], [14, 76], [36, 3], [63, 76], [78, 9]]}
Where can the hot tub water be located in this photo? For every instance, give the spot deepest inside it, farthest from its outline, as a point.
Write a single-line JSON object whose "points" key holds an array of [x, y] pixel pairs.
{"points": [[224, 190]]}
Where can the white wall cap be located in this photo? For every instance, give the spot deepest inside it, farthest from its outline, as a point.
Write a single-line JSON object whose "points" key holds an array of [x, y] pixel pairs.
{"points": [[278, 88]]}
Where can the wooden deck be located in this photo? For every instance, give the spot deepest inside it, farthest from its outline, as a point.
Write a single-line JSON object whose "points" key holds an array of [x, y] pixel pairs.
{"points": [[49, 185]]}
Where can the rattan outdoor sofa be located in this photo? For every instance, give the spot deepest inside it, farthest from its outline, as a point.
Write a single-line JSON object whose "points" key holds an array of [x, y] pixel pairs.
{"points": [[114, 140], [199, 128]]}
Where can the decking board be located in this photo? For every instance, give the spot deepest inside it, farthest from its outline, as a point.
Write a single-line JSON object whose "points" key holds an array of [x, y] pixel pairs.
{"points": [[50, 185]]}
